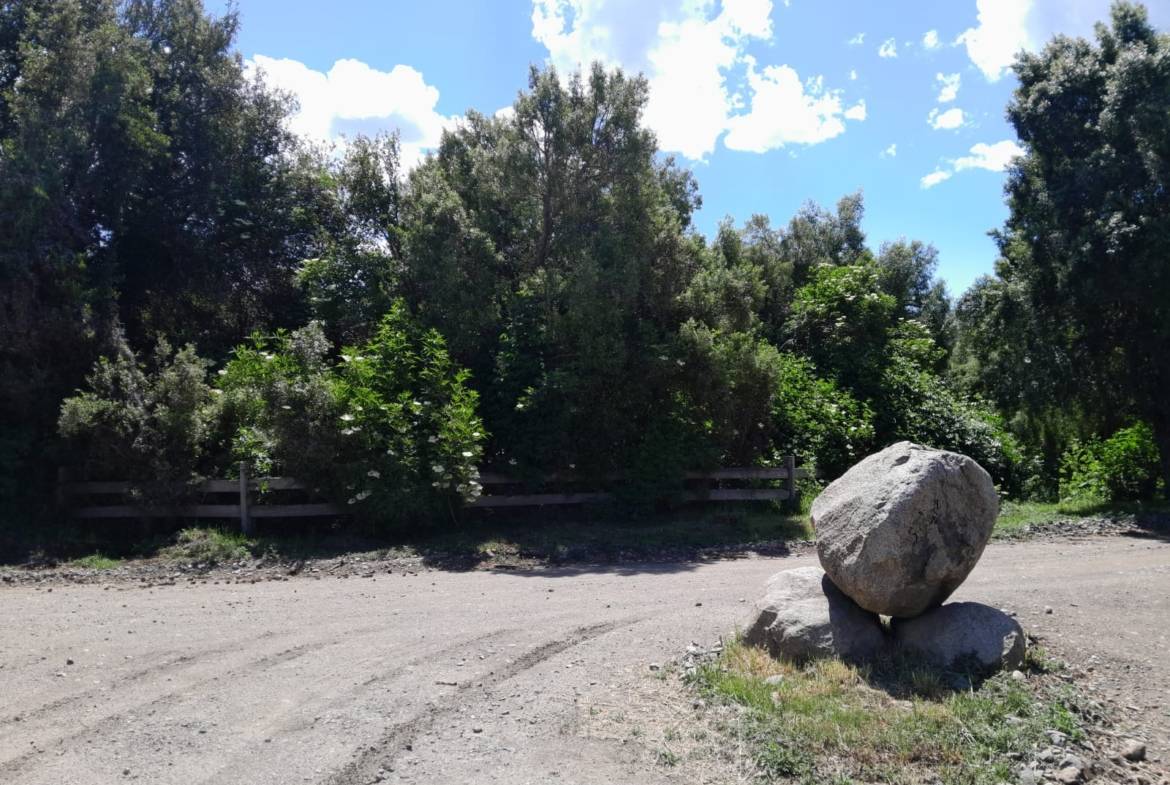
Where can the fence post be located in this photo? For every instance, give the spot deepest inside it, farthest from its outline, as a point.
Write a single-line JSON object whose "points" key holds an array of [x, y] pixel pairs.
{"points": [[245, 516], [790, 482]]}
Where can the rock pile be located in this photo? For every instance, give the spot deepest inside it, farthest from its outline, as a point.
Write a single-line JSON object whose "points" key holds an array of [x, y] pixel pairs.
{"points": [[896, 535]]}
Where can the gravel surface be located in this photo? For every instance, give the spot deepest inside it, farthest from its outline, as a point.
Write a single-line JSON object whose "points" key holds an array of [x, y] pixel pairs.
{"points": [[481, 676]]}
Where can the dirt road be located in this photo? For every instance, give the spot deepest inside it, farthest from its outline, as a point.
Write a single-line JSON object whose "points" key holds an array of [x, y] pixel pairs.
{"points": [[447, 677]]}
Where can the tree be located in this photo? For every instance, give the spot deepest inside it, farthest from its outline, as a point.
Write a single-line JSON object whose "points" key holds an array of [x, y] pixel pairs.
{"points": [[1087, 243]]}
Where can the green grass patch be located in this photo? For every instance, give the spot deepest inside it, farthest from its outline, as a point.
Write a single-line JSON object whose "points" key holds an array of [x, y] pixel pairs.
{"points": [[893, 722], [1014, 516], [96, 561], [209, 546]]}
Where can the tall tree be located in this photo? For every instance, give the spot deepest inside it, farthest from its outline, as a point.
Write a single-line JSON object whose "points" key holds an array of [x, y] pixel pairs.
{"points": [[1087, 243]]}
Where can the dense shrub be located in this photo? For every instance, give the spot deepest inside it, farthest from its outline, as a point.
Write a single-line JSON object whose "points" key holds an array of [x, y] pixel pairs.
{"points": [[390, 428], [1123, 467], [816, 420], [148, 423]]}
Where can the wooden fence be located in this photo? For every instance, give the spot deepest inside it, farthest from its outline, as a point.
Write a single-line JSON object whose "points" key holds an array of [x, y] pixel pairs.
{"points": [[77, 498]]}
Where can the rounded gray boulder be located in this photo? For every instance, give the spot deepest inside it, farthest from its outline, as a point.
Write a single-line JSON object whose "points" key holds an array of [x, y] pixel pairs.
{"points": [[962, 634], [803, 616], [903, 528]]}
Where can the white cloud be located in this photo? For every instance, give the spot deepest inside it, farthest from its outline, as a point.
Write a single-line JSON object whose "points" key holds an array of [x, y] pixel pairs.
{"points": [[684, 51], [891, 151], [857, 40], [934, 178], [1004, 27], [353, 98], [703, 84], [853, 74], [991, 157], [1001, 33], [783, 111], [930, 39], [948, 87], [945, 121], [889, 48]]}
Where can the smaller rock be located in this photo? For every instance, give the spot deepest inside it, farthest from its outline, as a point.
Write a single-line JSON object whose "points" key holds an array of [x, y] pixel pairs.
{"points": [[1028, 776], [477, 729], [774, 680], [1018, 676], [1069, 776], [1134, 750], [964, 633], [804, 616], [654, 666], [1048, 610]]}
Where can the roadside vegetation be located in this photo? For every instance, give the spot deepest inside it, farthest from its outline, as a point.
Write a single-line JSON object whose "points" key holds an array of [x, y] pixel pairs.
{"points": [[186, 285], [894, 722]]}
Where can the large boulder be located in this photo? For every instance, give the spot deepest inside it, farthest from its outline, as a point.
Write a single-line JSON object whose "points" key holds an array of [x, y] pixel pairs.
{"points": [[803, 616], [902, 529], [964, 635]]}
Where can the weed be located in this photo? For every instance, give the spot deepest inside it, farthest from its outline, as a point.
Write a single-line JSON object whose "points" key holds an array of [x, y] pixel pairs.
{"points": [[894, 721], [209, 546], [667, 758], [97, 561]]}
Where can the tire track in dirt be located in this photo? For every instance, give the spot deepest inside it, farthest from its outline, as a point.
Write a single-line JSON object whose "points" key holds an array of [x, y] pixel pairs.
{"points": [[346, 698], [14, 766], [363, 769]]}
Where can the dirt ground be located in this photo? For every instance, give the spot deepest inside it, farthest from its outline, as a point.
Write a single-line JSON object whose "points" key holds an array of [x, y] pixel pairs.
{"points": [[480, 676]]}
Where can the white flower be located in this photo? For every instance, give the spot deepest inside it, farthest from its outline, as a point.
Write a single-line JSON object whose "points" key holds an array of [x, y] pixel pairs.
{"points": [[361, 497], [222, 371], [349, 431], [347, 417], [437, 468], [432, 439], [346, 358], [217, 392], [377, 475], [511, 461], [475, 434], [286, 407], [466, 453], [519, 407]]}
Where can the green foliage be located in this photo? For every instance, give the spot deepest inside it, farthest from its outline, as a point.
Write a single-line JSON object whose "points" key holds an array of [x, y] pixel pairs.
{"points": [[1123, 467], [818, 421], [146, 423], [208, 546], [841, 320], [1083, 277], [390, 429]]}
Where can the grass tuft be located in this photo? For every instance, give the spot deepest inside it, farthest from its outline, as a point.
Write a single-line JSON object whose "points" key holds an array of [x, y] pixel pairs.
{"points": [[96, 561], [209, 546], [895, 721]]}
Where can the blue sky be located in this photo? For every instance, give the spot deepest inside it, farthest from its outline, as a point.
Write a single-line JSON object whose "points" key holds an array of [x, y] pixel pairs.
{"points": [[770, 103]]}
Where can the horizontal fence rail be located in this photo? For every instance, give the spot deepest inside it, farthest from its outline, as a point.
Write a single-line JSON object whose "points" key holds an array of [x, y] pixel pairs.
{"points": [[245, 510]]}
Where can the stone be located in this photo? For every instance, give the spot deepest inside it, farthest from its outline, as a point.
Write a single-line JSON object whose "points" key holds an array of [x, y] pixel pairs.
{"points": [[903, 528], [1029, 776], [1068, 776], [1132, 749], [964, 634], [803, 616]]}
